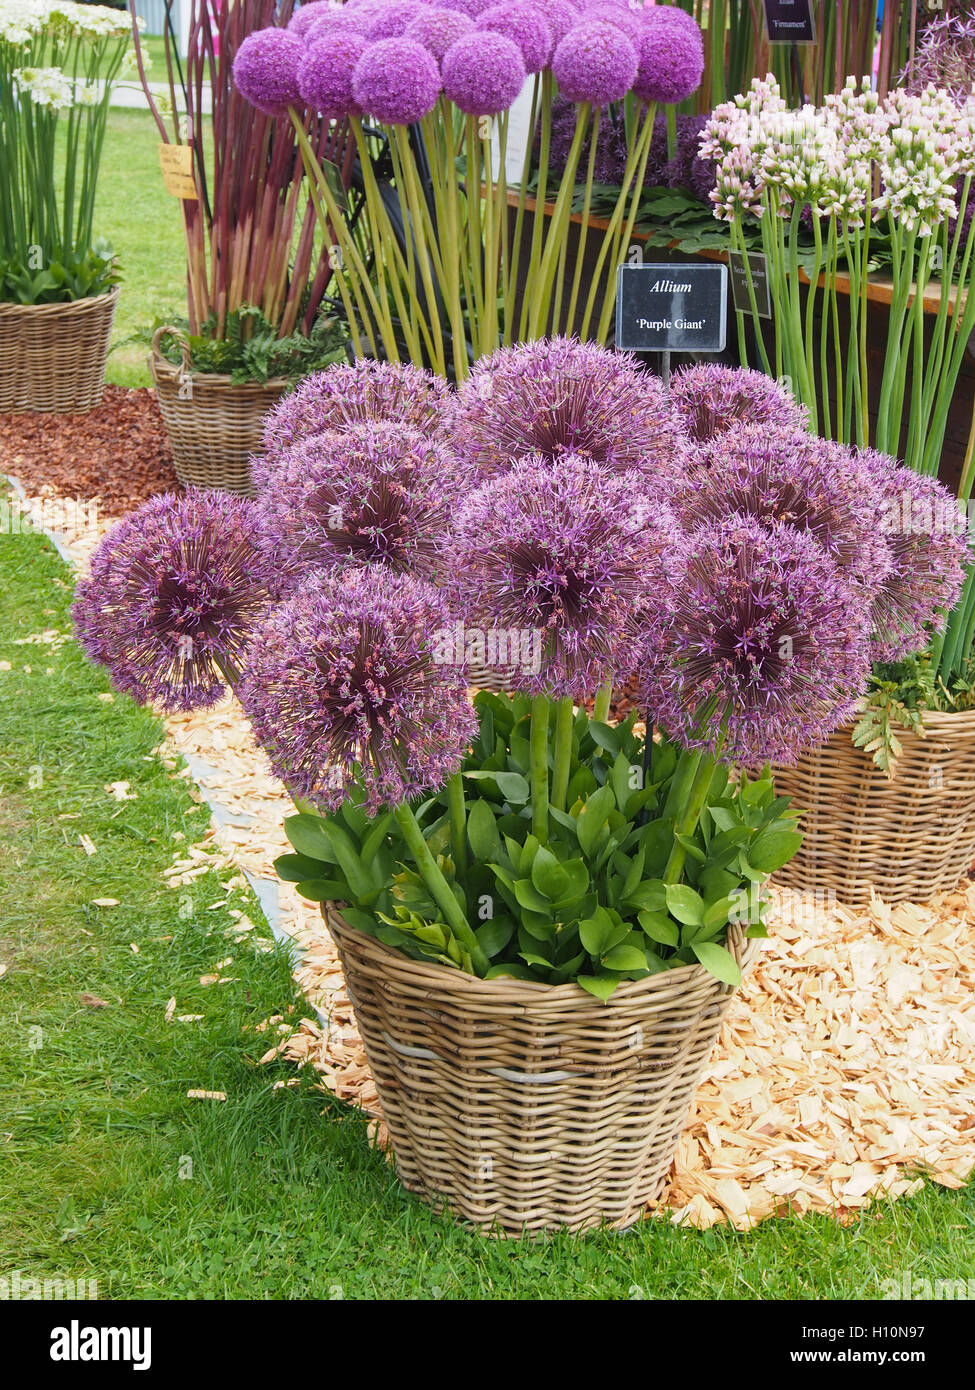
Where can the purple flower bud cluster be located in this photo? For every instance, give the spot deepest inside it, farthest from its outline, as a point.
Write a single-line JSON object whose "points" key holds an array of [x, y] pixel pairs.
{"points": [[687, 170]]}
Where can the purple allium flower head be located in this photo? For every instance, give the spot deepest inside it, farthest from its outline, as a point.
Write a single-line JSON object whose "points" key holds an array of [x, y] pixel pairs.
{"points": [[526, 28], [379, 493], [342, 396], [313, 12], [757, 633], [266, 70], [709, 399], [174, 591], [483, 73], [472, 8], [436, 30], [559, 15], [563, 549], [346, 694], [787, 476], [610, 161], [338, 21], [559, 396], [325, 73], [945, 56], [396, 81], [922, 524], [671, 54], [608, 12], [595, 62], [392, 20]]}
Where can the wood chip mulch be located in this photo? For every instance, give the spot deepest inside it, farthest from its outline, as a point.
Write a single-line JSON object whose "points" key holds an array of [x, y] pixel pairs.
{"points": [[844, 1074], [116, 455]]}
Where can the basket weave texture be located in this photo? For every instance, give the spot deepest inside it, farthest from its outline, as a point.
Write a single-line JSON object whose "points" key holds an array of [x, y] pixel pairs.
{"points": [[214, 424], [52, 356], [524, 1107], [909, 838]]}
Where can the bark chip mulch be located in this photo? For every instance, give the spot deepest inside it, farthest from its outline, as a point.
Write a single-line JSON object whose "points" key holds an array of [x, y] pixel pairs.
{"points": [[116, 455]]}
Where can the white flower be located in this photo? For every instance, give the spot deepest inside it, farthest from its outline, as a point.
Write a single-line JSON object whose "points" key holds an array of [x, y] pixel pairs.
{"points": [[48, 87]]}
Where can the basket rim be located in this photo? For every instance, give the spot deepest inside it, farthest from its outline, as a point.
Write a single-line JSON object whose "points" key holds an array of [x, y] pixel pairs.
{"points": [[65, 306], [931, 718], [160, 366], [439, 977]]}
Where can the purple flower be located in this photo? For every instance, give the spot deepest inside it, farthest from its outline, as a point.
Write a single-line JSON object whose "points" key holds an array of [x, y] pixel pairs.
{"points": [[392, 20], [343, 396], [316, 19], [174, 591], [559, 15], [709, 399], [559, 396], [758, 635], [325, 73], [671, 56], [925, 530], [312, 12], [436, 30], [595, 62], [472, 8], [346, 695], [379, 493], [610, 161], [527, 30], [396, 81], [945, 56], [780, 476], [266, 70], [483, 73], [565, 550], [608, 12]]}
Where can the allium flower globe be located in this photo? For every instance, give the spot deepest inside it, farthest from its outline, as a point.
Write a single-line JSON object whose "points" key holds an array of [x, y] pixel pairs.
{"points": [[758, 637], [341, 396], [559, 15], [266, 70], [560, 548], [607, 12], [390, 21], [174, 592], [313, 12], [325, 74], [472, 8], [344, 691], [595, 62], [396, 81], [436, 30], [926, 533], [526, 28], [379, 493], [671, 56], [483, 73], [710, 399], [558, 396]]}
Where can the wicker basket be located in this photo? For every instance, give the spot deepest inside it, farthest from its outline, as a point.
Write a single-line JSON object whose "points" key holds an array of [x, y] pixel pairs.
{"points": [[523, 1107], [52, 356], [213, 423], [908, 838]]}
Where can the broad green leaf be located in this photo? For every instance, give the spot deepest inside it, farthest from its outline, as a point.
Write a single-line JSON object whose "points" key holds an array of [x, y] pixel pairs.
{"points": [[650, 895], [512, 786], [718, 961], [625, 957], [684, 904], [322, 890], [494, 935], [601, 932], [309, 835], [659, 928], [482, 832], [593, 817], [601, 986], [295, 868], [773, 847], [529, 896], [510, 969], [548, 875]]}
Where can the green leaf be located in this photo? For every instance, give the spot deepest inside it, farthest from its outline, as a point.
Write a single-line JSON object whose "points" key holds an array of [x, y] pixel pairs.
{"points": [[362, 921], [512, 786], [482, 831], [718, 961], [309, 835], [529, 897], [548, 875], [601, 986], [650, 895], [625, 957], [510, 969], [684, 904], [602, 931], [577, 881], [773, 847], [659, 928], [605, 736], [294, 868], [494, 935], [321, 890], [593, 817]]}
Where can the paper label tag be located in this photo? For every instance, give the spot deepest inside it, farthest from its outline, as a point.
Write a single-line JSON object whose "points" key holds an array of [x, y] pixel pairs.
{"points": [[789, 21], [681, 307], [758, 266], [176, 163]]}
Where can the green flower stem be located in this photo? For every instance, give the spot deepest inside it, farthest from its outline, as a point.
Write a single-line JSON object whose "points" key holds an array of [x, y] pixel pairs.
{"points": [[622, 235], [511, 277], [564, 720], [681, 783], [385, 243], [432, 876], [538, 765], [538, 223], [584, 226], [604, 697], [458, 822], [687, 820], [558, 229]]}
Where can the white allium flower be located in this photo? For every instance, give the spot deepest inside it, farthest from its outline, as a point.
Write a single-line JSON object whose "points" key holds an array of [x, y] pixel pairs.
{"points": [[48, 87]]}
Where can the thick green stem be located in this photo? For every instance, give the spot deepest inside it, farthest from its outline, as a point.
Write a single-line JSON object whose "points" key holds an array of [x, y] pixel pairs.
{"points": [[603, 700], [538, 762], [432, 876], [689, 815], [564, 719], [458, 822]]}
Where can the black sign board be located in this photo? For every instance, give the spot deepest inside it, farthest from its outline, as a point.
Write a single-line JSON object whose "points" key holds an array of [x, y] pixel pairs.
{"points": [[671, 308], [789, 21], [758, 266]]}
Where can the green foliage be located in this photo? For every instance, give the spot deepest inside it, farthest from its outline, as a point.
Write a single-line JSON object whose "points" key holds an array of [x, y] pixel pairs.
{"points": [[251, 350], [79, 276], [594, 904]]}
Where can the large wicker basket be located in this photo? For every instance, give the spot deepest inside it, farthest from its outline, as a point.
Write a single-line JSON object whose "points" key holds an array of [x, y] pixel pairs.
{"points": [[523, 1107], [52, 356], [213, 423], [908, 838]]}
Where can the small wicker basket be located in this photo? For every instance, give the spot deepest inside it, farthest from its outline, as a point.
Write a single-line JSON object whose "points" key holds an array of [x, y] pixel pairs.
{"points": [[52, 356], [214, 424], [908, 838], [524, 1107]]}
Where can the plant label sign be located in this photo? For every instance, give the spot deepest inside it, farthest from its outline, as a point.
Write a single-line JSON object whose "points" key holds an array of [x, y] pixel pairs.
{"points": [[671, 308], [176, 162], [789, 21], [757, 268]]}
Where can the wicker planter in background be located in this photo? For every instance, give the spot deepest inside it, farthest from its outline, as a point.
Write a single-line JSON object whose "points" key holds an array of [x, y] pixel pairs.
{"points": [[525, 1107], [908, 838], [52, 356], [213, 423]]}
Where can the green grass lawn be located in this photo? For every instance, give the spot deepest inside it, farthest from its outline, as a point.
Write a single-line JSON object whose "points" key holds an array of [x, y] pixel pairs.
{"points": [[110, 1172]]}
